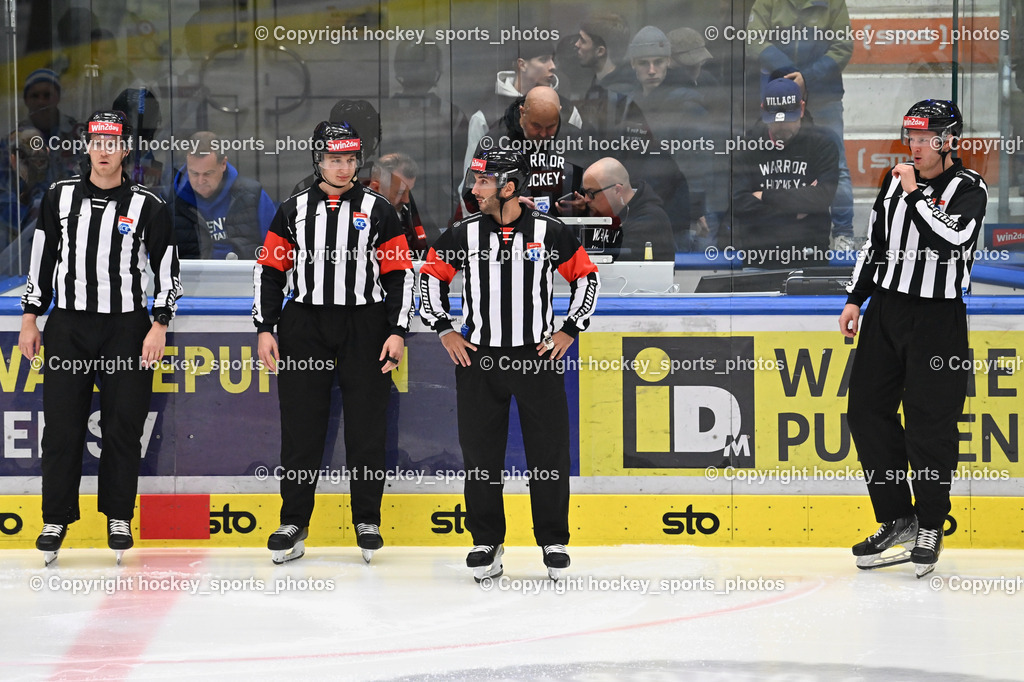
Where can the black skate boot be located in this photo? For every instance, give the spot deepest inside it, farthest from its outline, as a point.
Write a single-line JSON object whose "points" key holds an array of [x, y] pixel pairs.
{"points": [[926, 551], [50, 540], [485, 560], [287, 543], [556, 558], [898, 535], [119, 537], [369, 540]]}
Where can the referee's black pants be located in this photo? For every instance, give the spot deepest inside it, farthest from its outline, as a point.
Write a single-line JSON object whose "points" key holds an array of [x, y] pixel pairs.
{"points": [[322, 342], [911, 351], [109, 348], [484, 394]]}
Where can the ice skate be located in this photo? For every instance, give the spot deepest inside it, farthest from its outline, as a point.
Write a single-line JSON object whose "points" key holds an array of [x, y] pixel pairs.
{"points": [[485, 560], [926, 551], [119, 537], [889, 546], [50, 540], [369, 540], [287, 543], [556, 558]]}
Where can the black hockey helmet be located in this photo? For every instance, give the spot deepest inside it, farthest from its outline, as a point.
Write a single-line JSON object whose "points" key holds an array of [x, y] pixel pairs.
{"points": [[505, 165], [941, 116], [111, 122], [108, 122], [333, 138]]}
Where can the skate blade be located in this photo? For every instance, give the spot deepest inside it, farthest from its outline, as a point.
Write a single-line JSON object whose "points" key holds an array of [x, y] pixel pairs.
{"points": [[923, 569], [280, 556], [872, 561], [556, 574], [367, 554], [484, 572], [49, 558], [492, 571], [118, 555]]}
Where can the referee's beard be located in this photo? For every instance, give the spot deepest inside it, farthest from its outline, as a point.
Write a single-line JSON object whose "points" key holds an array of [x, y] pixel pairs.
{"points": [[502, 211]]}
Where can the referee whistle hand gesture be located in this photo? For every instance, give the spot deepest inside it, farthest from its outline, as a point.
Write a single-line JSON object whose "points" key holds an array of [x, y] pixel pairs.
{"points": [[848, 320], [456, 345], [153, 345], [905, 173]]}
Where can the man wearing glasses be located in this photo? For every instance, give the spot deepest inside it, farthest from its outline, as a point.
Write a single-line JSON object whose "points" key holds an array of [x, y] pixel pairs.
{"points": [[637, 214]]}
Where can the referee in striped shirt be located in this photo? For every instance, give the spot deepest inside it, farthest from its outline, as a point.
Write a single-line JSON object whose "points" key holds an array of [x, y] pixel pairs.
{"points": [[351, 280], [915, 267], [508, 347], [96, 233]]}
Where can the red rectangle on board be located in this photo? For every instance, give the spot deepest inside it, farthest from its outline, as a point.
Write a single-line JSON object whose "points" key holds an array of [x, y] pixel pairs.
{"points": [[174, 517]]}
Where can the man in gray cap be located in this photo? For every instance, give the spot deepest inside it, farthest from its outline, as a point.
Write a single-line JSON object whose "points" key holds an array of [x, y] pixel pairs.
{"points": [[704, 114], [670, 113], [649, 54]]}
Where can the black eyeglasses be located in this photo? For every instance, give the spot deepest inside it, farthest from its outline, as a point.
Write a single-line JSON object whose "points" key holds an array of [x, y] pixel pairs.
{"points": [[590, 193]]}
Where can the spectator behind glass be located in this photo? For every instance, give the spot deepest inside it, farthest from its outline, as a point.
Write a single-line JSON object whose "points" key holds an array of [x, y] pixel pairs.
{"points": [[394, 176], [143, 111], [60, 132], [536, 118], [816, 64], [24, 178], [600, 43], [781, 196], [662, 110], [218, 214], [638, 216], [424, 126], [703, 116], [534, 67]]}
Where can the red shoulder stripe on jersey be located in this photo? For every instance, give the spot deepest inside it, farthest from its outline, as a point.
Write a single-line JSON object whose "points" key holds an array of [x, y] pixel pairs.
{"points": [[578, 266], [437, 268], [394, 255], [277, 252]]}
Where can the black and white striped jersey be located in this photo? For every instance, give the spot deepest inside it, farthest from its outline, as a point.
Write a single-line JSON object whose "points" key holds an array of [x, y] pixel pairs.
{"points": [[922, 243], [508, 279], [333, 251], [91, 247]]}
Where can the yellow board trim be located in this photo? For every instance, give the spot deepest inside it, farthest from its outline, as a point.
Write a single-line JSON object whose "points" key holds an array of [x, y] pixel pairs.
{"points": [[439, 520]]}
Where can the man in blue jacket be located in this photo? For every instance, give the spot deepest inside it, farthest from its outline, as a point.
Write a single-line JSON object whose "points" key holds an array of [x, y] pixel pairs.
{"points": [[218, 214]]}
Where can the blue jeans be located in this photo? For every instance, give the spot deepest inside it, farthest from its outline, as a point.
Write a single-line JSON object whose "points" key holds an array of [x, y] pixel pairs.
{"points": [[830, 116]]}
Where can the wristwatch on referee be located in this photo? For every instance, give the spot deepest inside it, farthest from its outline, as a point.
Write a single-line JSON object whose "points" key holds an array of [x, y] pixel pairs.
{"points": [[162, 318]]}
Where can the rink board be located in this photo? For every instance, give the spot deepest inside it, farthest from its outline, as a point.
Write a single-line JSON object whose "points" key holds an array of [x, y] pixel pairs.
{"points": [[671, 406], [439, 520], [706, 392]]}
